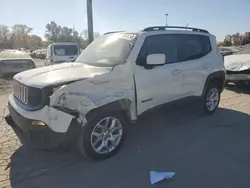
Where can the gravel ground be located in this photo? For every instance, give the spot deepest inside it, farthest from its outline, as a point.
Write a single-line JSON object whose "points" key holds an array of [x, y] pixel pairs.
{"points": [[204, 151]]}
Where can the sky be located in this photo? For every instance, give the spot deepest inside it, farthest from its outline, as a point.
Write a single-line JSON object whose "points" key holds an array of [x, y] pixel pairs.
{"points": [[219, 17]]}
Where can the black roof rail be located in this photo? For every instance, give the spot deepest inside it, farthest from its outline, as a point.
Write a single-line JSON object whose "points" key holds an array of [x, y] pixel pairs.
{"points": [[161, 28], [112, 32]]}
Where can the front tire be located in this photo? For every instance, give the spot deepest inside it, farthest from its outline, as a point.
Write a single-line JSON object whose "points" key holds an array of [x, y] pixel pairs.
{"points": [[211, 98], [103, 135]]}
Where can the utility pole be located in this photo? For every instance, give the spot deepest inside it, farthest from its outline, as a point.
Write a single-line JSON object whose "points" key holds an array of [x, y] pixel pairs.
{"points": [[166, 19], [90, 21]]}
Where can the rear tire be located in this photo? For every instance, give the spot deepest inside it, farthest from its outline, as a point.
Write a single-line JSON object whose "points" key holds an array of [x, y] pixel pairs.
{"points": [[97, 141], [211, 98]]}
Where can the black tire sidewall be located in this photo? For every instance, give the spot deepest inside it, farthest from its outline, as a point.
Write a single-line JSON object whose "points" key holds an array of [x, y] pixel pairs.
{"points": [[210, 86], [84, 143]]}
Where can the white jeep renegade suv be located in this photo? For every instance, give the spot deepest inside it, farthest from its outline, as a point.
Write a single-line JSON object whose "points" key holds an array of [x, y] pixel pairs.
{"points": [[117, 77]]}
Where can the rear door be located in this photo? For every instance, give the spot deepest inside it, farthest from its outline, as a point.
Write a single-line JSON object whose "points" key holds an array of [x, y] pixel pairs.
{"points": [[195, 55]]}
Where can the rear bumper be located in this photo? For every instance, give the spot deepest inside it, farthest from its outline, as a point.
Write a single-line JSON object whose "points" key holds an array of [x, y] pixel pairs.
{"points": [[37, 136]]}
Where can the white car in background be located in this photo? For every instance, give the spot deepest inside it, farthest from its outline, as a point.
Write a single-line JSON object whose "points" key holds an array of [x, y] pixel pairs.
{"points": [[12, 62], [62, 52], [238, 66]]}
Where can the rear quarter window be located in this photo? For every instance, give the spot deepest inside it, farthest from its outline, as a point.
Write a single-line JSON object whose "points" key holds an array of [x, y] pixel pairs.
{"points": [[65, 50], [192, 47]]}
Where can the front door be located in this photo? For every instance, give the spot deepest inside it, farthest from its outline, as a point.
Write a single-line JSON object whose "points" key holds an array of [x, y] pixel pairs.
{"points": [[156, 85]]}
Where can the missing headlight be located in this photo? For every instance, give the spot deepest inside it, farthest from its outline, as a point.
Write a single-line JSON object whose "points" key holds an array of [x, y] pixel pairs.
{"points": [[58, 87]]}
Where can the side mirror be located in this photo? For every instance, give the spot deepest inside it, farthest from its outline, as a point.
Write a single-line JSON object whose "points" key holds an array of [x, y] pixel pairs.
{"points": [[156, 59]]}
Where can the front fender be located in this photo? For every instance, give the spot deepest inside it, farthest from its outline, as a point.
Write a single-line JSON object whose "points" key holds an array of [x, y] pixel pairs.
{"points": [[81, 104]]}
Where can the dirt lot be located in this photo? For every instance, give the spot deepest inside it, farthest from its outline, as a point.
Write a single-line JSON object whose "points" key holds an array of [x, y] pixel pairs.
{"points": [[204, 151]]}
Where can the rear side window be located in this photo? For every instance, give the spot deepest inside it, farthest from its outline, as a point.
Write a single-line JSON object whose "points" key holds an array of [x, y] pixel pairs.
{"points": [[159, 44], [192, 47], [65, 50]]}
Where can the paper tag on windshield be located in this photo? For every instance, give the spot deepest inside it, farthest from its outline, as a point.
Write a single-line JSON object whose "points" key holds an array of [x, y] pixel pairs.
{"points": [[127, 36]]}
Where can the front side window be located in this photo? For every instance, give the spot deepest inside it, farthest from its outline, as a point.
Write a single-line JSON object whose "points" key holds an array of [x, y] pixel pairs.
{"points": [[192, 47], [65, 50], [159, 44]]}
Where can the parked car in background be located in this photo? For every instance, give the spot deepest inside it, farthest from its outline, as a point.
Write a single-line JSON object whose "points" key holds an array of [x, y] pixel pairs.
{"points": [[33, 54], [225, 51], [40, 53], [119, 76], [238, 66], [62, 52], [15, 62]]}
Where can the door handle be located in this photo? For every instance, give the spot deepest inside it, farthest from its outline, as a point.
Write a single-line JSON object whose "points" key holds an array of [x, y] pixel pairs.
{"points": [[206, 66], [176, 72]]}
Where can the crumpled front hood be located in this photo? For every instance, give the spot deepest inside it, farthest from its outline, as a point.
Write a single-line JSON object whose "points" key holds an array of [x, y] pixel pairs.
{"points": [[57, 74], [238, 62]]}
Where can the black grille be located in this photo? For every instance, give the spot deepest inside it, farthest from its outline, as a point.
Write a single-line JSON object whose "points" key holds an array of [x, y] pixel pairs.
{"points": [[21, 92], [29, 96]]}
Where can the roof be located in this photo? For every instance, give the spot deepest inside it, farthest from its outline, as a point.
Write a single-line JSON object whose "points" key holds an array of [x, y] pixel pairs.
{"points": [[65, 43], [164, 28], [14, 54]]}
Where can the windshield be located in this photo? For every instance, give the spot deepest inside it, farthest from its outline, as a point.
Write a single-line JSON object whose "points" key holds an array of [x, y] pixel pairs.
{"points": [[245, 50], [65, 50], [108, 50]]}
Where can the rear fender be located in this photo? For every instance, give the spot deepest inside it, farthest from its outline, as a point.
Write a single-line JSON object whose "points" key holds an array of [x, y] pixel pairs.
{"points": [[220, 75]]}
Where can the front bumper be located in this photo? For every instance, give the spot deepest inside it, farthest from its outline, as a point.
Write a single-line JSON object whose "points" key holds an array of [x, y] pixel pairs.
{"points": [[40, 137], [238, 77]]}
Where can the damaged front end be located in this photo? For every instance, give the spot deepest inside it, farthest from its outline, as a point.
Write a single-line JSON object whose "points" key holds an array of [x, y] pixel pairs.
{"points": [[73, 103], [238, 76], [81, 97], [238, 69]]}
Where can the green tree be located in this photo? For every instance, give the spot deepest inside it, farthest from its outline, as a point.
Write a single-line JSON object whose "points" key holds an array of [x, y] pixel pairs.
{"points": [[45, 43], [221, 43], [228, 40], [34, 42], [19, 35], [237, 39], [5, 34], [58, 33], [246, 38], [53, 31]]}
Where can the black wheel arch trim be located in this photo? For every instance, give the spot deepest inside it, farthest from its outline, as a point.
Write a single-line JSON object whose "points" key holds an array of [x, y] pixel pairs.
{"points": [[215, 75], [122, 105]]}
